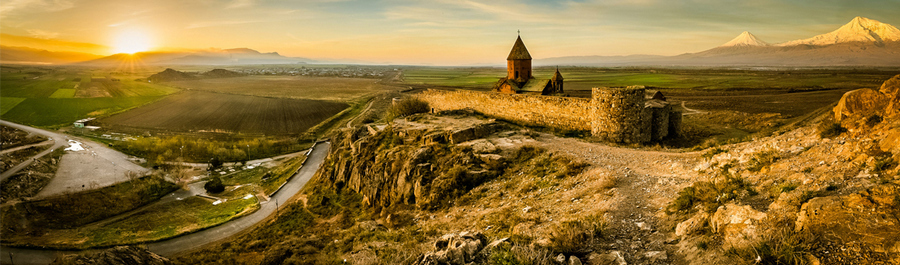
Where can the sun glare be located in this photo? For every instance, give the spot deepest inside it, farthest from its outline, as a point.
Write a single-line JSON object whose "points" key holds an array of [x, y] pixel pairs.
{"points": [[131, 42]]}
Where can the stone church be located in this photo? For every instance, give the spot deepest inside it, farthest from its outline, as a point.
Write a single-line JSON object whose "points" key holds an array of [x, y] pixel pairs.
{"points": [[518, 78]]}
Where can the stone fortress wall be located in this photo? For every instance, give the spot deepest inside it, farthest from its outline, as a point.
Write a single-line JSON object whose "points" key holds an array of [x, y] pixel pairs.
{"points": [[618, 114]]}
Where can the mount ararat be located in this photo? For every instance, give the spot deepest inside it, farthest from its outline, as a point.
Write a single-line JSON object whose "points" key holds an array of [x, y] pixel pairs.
{"points": [[861, 42]]}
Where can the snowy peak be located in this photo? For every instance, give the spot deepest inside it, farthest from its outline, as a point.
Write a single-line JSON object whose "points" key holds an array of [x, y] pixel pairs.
{"points": [[746, 39], [859, 29]]}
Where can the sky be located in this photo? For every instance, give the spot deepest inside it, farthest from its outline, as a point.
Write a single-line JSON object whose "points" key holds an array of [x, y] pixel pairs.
{"points": [[438, 32]]}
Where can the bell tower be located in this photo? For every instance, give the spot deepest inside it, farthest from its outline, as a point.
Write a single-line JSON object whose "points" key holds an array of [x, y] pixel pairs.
{"points": [[518, 63]]}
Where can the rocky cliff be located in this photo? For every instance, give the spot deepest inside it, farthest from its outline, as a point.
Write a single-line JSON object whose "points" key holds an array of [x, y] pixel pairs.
{"points": [[410, 163]]}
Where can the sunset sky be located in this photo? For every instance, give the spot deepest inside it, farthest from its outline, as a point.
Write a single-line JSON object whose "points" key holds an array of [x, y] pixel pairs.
{"points": [[443, 32]]}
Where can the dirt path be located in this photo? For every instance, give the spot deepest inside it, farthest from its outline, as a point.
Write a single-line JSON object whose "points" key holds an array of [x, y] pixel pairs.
{"points": [[48, 142], [648, 180], [58, 139], [369, 106], [689, 111]]}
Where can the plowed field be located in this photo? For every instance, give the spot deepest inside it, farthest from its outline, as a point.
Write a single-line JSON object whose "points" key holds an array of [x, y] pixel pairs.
{"points": [[204, 111]]}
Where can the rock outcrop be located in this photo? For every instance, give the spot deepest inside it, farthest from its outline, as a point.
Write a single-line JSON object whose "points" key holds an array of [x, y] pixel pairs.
{"points": [[739, 225], [121, 255], [416, 165], [459, 249], [867, 101], [871, 217]]}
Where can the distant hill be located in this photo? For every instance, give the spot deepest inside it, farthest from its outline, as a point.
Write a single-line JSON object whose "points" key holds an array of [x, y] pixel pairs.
{"points": [[861, 42], [170, 75], [240, 56], [24, 55], [221, 73], [174, 75]]}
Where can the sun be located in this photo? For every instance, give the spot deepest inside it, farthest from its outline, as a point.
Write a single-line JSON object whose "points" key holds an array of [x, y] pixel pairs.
{"points": [[131, 42]]}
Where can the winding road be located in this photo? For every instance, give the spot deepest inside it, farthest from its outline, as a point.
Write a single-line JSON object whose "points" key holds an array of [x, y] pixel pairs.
{"points": [[59, 140], [187, 242]]}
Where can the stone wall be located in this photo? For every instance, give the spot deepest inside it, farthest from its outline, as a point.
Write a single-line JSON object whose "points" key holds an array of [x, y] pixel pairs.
{"points": [[557, 112], [615, 114]]}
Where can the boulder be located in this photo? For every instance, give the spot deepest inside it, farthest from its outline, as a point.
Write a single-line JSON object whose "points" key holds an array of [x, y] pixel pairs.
{"points": [[891, 89], [692, 225], [738, 224], [461, 248], [869, 217], [860, 101], [611, 258]]}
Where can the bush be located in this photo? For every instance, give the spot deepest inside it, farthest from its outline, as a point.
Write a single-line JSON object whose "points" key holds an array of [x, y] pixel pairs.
{"points": [[762, 159], [214, 185], [573, 236], [829, 129], [710, 194], [782, 247], [406, 107]]}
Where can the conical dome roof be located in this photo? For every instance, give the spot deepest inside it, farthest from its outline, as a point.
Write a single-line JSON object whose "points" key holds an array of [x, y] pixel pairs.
{"points": [[557, 75], [519, 52]]}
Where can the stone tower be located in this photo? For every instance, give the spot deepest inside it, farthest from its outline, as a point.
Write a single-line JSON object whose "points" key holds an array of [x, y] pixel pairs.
{"points": [[518, 63], [556, 82]]}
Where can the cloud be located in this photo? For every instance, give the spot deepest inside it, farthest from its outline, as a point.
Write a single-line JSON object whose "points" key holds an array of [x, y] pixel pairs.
{"points": [[41, 34], [206, 24], [31, 6], [241, 4]]}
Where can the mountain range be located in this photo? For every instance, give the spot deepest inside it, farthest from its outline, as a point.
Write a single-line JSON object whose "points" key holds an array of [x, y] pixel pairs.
{"points": [[238, 56], [861, 42]]}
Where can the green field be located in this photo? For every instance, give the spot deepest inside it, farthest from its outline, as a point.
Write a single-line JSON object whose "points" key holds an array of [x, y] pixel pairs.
{"points": [[63, 93], [7, 104], [584, 78], [56, 96]]}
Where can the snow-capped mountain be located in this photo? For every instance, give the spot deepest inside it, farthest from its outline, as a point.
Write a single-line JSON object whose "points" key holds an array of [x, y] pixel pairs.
{"points": [[862, 42], [859, 29], [746, 39]]}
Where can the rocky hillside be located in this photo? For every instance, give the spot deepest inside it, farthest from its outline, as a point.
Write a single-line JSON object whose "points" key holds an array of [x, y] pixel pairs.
{"points": [[457, 188]]}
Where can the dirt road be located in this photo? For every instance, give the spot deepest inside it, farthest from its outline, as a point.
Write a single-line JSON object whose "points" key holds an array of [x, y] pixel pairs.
{"points": [[59, 141]]}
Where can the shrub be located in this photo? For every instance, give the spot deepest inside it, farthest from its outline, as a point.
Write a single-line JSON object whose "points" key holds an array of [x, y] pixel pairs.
{"points": [[883, 164], [762, 159], [781, 247], [713, 152], [710, 194], [214, 185], [829, 129], [406, 107], [572, 236]]}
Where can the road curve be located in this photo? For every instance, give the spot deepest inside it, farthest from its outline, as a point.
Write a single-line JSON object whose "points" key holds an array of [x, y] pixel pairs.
{"points": [[191, 241], [58, 139]]}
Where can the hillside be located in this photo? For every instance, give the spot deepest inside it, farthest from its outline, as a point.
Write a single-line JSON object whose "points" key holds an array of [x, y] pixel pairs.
{"points": [[453, 188]]}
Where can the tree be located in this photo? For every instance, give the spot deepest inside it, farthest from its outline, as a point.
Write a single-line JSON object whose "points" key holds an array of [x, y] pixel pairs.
{"points": [[214, 185]]}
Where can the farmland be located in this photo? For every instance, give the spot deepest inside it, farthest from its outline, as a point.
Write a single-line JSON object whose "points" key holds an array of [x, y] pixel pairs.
{"points": [[214, 112], [52, 97], [297, 87], [584, 78]]}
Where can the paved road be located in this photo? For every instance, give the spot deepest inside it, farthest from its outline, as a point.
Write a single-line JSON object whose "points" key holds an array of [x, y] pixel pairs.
{"points": [[192, 241], [58, 139]]}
